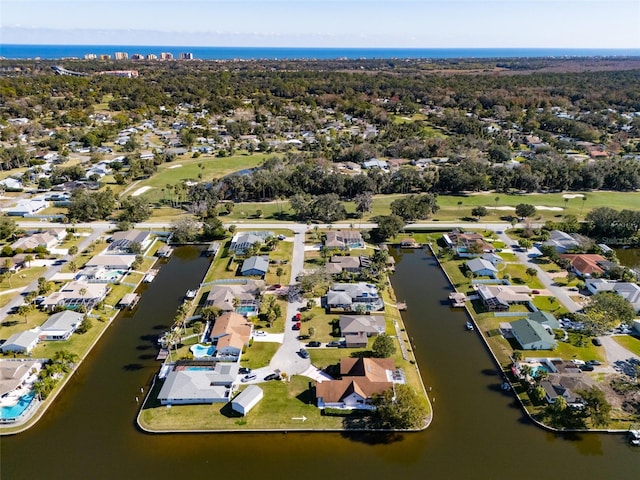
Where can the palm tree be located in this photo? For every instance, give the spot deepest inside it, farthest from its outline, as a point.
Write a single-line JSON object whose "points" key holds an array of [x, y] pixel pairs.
{"points": [[28, 259], [584, 199], [525, 371], [23, 310], [497, 199], [279, 272], [459, 205], [517, 355]]}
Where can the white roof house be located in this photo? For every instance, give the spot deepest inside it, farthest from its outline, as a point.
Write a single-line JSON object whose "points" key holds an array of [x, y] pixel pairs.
{"points": [[13, 373], [482, 267], [247, 399], [629, 291], [60, 326], [76, 294], [21, 342], [183, 387], [27, 207], [123, 262], [241, 241]]}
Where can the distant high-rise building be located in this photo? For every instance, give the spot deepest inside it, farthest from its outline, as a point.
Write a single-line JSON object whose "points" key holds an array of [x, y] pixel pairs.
{"points": [[121, 55], [166, 56], [137, 56], [186, 56], [105, 56], [90, 56], [151, 56]]}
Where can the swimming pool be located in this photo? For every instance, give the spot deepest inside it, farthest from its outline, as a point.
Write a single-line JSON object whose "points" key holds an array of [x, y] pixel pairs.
{"points": [[113, 275], [18, 409], [245, 310], [536, 368], [200, 351]]}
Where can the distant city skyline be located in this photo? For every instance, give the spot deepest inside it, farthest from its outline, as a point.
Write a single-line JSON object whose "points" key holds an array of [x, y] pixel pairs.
{"points": [[328, 23]]}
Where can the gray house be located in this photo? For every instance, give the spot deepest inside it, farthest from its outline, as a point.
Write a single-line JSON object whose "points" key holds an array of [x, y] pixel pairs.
{"points": [[184, 387], [356, 329], [21, 342], [258, 265], [60, 326], [482, 268], [353, 297], [532, 335]]}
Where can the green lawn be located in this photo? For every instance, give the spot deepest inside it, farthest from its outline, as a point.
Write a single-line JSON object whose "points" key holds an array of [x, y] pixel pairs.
{"points": [[259, 354], [630, 343]]}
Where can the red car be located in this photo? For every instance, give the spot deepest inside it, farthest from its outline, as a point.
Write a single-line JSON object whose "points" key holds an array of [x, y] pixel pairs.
{"points": [[296, 326]]}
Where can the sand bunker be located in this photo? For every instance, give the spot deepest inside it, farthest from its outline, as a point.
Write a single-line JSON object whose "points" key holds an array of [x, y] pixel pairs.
{"points": [[175, 166], [538, 207], [572, 195], [140, 191]]}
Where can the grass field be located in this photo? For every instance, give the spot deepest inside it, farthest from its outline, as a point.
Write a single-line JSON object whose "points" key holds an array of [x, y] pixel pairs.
{"points": [[630, 343]]}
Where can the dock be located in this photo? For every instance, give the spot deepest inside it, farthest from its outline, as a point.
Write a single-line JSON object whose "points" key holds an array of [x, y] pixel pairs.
{"points": [[457, 299], [164, 252], [130, 300], [150, 276], [163, 354], [401, 306]]}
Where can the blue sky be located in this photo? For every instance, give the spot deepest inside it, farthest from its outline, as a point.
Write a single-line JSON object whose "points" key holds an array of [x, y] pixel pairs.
{"points": [[327, 23]]}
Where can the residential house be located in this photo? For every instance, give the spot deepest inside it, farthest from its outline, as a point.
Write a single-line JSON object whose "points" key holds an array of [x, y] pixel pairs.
{"points": [[112, 262], [354, 297], [375, 163], [122, 242], [247, 399], [230, 333], [59, 233], [499, 297], [75, 294], [562, 241], [184, 387], [358, 328], [629, 291], [27, 207], [241, 241], [467, 244], [99, 275], [256, 266], [30, 242], [343, 240], [566, 386], [243, 298], [341, 263], [361, 378], [493, 258], [587, 264], [532, 335], [11, 184], [61, 325], [15, 374], [21, 342], [482, 268]]}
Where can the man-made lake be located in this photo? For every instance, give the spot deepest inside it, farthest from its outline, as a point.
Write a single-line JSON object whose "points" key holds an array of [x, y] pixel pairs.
{"points": [[478, 431]]}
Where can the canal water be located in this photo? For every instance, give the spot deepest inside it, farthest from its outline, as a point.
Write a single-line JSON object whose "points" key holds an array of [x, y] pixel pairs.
{"points": [[478, 431]]}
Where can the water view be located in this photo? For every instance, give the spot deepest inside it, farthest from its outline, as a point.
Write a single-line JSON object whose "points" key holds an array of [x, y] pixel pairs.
{"points": [[478, 430]]}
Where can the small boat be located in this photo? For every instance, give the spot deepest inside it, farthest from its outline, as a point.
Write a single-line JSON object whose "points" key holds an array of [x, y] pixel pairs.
{"points": [[191, 294], [148, 278], [634, 437], [469, 326]]}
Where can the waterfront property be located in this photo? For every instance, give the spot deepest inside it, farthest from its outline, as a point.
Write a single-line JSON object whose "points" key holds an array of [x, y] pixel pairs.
{"points": [[500, 297], [344, 263], [627, 290], [482, 268], [184, 385], [76, 294], [61, 325], [361, 378], [532, 335], [241, 297], [563, 241], [566, 385], [358, 328], [112, 262], [467, 244], [353, 297], [587, 264], [230, 333]]}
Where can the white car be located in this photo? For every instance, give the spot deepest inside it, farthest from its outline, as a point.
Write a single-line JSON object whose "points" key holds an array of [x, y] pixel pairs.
{"points": [[259, 333]]}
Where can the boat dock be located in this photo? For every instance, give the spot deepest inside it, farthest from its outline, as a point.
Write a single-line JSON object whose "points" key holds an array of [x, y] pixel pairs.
{"points": [[150, 276], [163, 354], [402, 306], [130, 300], [457, 299], [191, 294], [164, 252]]}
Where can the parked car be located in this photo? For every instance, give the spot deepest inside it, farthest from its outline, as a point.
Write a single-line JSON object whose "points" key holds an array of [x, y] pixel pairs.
{"points": [[535, 292], [303, 353], [281, 237], [296, 326], [597, 342], [586, 368], [244, 370], [259, 333], [593, 362], [272, 376], [249, 377], [334, 343], [314, 344]]}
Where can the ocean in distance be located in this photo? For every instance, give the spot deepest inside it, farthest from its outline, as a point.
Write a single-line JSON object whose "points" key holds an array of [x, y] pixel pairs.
{"points": [[53, 52]]}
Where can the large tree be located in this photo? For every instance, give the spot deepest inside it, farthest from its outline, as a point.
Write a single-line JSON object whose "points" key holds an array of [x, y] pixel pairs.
{"points": [[415, 207], [525, 210], [89, 206], [184, 230], [388, 227], [597, 406], [606, 310], [134, 209], [400, 408], [383, 346]]}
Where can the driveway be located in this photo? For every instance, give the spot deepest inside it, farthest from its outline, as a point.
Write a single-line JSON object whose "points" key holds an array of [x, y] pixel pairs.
{"points": [[619, 359]]}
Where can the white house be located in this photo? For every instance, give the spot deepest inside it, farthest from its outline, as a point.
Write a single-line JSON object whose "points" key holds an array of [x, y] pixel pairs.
{"points": [[61, 325], [113, 262], [183, 387], [247, 399], [482, 268], [27, 207], [21, 342], [629, 291], [14, 374]]}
